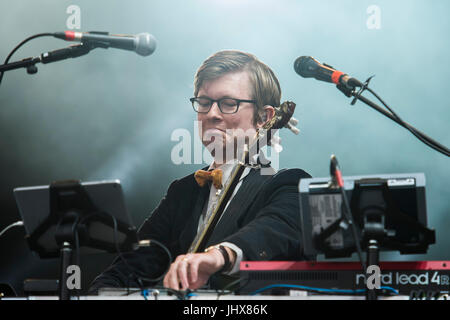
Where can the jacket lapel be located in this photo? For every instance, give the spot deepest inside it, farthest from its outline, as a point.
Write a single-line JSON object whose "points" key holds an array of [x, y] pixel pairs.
{"points": [[245, 195], [189, 232]]}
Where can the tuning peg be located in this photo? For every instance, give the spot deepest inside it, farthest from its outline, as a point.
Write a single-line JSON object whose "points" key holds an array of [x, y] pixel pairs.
{"points": [[276, 147], [275, 139], [292, 128], [275, 143], [293, 121]]}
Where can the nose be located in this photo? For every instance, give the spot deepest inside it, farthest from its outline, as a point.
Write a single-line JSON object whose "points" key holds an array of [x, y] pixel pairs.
{"points": [[214, 112]]}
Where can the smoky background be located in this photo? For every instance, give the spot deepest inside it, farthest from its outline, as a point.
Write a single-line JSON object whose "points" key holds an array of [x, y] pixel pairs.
{"points": [[110, 114]]}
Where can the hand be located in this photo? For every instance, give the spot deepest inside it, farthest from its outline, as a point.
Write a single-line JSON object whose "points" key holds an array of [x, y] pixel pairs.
{"points": [[192, 271]]}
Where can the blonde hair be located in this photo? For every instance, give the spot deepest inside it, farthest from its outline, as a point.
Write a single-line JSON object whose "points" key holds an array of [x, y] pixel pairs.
{"points": [[266, 88]]}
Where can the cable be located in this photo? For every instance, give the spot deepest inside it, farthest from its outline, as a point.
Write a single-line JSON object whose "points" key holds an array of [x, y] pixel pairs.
{"points": [[121, 257], [21, 44], [148, 243], [12, 225], [189, 294], [336, 174], [179, 294], [353, 227], [425, 139], [131, 270], [231, 284], [134, 272], [144, 293], [77, 249], [225, 290], [393, 116], [320, 290]]}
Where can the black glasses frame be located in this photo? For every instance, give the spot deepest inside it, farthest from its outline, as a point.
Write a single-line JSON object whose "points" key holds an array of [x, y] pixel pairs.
{"points": [[238, 102]]}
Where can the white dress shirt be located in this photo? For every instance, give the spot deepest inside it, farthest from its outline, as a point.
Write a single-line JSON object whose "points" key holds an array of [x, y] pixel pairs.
{"points": [[227, 169]]}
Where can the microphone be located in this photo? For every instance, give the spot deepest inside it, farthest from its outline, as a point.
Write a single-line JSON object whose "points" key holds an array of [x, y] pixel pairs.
{"points": [[308, 67], [335, 172], [143, 44]]}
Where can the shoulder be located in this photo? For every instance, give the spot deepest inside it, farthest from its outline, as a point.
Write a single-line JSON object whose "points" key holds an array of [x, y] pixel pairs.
{"points": [[284, 181], [288, 177]]}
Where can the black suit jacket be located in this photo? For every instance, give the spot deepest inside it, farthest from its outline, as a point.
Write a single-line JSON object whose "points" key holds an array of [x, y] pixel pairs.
{"points": [[263, 219]]}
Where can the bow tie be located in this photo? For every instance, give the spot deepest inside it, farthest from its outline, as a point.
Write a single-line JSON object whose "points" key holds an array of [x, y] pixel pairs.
{"points": [[202, 176]]}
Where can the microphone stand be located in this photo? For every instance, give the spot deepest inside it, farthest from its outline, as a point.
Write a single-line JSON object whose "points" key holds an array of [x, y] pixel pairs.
{"points": [[72, 51], [28, 63], [351, 92]]}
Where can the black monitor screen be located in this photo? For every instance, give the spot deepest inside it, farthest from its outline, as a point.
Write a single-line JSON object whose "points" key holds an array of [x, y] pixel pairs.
{"points": [[401, 198]]}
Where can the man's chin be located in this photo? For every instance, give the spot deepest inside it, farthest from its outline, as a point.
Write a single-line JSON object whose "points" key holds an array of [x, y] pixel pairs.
{"points": [[220, 154], [215, 132]]}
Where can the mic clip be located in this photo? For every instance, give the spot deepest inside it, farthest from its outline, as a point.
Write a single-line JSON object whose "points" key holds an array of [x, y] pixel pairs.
{"points": [[345, 90], [363, 88]]}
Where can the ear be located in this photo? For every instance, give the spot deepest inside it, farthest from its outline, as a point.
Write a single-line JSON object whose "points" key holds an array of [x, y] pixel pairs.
{"points": [[266, 115]]}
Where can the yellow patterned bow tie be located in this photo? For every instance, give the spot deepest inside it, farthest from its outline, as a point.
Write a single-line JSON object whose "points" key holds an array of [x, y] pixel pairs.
{"points": [[202, 176]]}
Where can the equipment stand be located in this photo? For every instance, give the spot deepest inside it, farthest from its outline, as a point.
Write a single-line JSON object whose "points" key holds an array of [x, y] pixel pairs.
{"points": [[373, 259], [74, 220], [66, 259], [72, 51]]}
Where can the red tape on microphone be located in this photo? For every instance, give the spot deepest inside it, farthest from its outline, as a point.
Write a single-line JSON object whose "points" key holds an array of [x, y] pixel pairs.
{"points": [[336, 76], [339, 179], [70, 35]]}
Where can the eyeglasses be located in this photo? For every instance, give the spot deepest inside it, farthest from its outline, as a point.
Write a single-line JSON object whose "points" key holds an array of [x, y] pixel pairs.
{"points": [[226, 105]]}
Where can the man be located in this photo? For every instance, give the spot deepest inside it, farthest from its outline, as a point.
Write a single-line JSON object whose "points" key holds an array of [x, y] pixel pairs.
{"points": [[234, 95]]}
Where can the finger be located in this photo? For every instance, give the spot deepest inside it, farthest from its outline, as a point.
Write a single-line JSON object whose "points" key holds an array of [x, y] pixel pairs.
{"points": [[167, 276], [183, 266], [165, 281], [172, 276], [193, 270]]}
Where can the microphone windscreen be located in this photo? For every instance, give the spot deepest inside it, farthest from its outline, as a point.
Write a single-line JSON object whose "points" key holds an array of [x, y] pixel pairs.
{"points": [[145, 44], [305, 66]]}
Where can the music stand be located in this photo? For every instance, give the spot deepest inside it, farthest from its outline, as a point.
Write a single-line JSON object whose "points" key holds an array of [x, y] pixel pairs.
{"points": [[389, 212], [70, 214]]}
